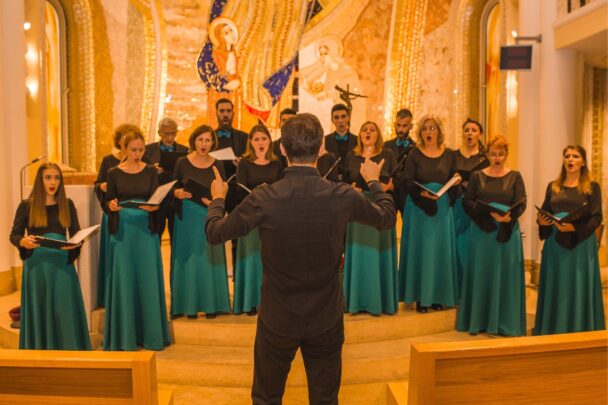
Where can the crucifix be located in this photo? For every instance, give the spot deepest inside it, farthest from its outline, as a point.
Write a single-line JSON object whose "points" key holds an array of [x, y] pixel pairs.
{"points": [[348, 96]]}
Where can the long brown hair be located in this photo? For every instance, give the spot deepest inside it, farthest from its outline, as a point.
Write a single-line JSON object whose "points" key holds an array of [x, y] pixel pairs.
{"points": [[250, 152], [37, 200], [584, 179], [358, 149]]}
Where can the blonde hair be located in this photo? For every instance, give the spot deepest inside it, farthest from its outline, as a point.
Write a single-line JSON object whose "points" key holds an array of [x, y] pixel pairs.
{"points": [[37, 200], [584, 180], [358, 150], [440, 129]]}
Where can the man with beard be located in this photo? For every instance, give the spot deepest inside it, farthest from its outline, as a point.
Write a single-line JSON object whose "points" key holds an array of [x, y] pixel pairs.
{"points": [[342, 140], [167, 130], [401, 145]]}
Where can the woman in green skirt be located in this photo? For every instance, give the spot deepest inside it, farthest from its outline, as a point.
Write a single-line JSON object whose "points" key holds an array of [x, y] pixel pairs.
{"points": [[427, 265], [370, 256], [101, 187], [52, 310], [136, 312], [492, 299], [470, 157], [199, 281], [258, 166], [570, 290]]}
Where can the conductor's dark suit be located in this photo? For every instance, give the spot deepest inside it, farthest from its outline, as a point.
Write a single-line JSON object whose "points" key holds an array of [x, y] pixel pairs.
{"points": [[302, 220]]}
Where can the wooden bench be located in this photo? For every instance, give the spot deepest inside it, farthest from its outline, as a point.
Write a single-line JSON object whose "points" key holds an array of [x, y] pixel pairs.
{"points": [[72, 377], [566, 369]]}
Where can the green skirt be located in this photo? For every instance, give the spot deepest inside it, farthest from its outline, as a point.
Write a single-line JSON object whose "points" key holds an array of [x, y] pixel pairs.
{"points": [[370, 270], [493, 297], [248, 280], [427, 266], [52, 310], [462, 223], [136, 313], [199, 280], [569, 289], [104, 240]]}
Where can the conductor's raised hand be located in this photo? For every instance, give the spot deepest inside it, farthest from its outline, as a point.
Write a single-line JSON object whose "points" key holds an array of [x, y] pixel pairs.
{"points": [[370, 171], [219, 188]]}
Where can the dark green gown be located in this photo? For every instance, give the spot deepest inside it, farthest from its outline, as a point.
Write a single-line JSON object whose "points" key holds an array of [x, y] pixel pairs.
{"points": [[52, 309], [199, 280], [136, 312], [493, 286], [570, 289], [370, 256]]}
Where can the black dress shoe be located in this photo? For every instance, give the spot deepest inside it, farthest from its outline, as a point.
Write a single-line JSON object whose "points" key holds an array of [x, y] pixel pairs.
{"points": [[210, 316], [437, 307], [177, 316], [253, 311], [192, 316], [421, 309]]}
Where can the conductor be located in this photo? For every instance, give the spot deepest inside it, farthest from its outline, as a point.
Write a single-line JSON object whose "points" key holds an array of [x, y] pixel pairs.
{"points": [[302, 220]]}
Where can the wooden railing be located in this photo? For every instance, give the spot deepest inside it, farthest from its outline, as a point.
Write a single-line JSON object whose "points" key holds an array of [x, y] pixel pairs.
{"points": [[567, 369], [71, 377]]}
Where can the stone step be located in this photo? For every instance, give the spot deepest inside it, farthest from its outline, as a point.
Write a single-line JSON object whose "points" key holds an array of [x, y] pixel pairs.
{"points": [[350, 394], [233, 366]]}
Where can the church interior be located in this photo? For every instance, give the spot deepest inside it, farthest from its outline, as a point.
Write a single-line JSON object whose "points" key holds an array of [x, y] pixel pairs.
{"points": [[72, 71]]}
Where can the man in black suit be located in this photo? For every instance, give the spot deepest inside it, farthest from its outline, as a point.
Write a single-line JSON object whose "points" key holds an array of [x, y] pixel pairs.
{"points": [[341, 141], [401, 146], [167, 131], [286, 114], [302, 220]]}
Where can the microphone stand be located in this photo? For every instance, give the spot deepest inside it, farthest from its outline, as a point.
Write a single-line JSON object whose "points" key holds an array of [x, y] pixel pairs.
{"points": [[22, 175]]}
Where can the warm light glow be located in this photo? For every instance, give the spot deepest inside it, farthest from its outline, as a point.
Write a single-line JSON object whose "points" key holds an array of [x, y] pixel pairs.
{"points": [[31, 55], [32, 87], [27, 26], [514, 34]]}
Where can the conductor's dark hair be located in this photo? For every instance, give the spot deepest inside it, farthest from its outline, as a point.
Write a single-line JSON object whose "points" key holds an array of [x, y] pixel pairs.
{"points": [[301, 137], [222, 101], [339, 107], [404, 113]]}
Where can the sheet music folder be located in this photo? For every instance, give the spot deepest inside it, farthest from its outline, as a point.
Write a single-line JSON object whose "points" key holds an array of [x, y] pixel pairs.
{"points": [[157, 197], [198, 191], [499, 210], [580, 212], [75, 240], [169, 159]]}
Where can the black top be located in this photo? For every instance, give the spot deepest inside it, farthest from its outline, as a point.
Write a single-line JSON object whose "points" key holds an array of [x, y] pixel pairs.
{"points": [[238, 143], [353, 162], [185, 170], [340, 149], [152, 156], [131, 186], [508, 190], [399, 181], [252, 175], [21, 224], [108, 162], [424, 169], [567, 200], [302, 220], [465, 166], [324, 165]]}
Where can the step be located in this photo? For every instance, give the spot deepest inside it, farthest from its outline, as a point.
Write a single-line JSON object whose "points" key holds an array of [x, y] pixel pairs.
{"points": [[350, 394], [233, 366]]}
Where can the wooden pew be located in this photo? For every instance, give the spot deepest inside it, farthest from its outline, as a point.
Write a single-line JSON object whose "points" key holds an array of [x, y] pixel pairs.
{"points": [[72, 377], [566, 369]]}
